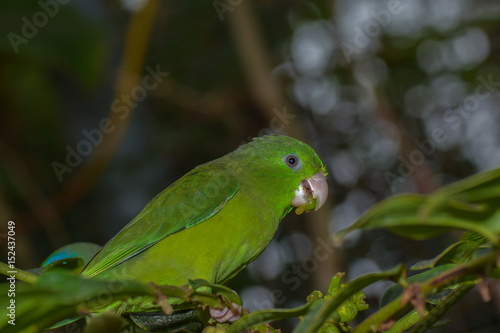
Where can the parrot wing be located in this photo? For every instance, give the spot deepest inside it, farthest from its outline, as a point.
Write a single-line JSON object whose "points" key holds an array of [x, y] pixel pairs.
{"points": [[194, 198]]}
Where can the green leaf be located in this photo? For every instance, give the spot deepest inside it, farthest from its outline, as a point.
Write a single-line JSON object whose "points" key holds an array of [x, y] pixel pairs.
{"points": [[470, 204], [59, 295], [457, 253], [107, 322], [156, 321], [230, 295]]}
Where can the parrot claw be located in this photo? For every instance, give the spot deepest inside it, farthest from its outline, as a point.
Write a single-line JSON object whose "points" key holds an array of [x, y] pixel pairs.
{"points": [[226, 314], [161, 300]]}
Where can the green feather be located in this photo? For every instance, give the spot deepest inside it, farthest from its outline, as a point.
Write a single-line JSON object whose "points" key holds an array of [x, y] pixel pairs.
{"points": [[204, 191]]}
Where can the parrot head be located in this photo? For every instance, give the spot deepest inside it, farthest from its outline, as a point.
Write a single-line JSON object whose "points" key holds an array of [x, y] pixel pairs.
{"points": [[287, 168]]}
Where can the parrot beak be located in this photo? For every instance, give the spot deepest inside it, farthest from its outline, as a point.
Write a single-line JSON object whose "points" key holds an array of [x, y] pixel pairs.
{"points": [[311, 194]]}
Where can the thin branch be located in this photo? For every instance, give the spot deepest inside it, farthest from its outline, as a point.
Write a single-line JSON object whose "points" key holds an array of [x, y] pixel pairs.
{"points": [[132, 63], [269, 94], [32, 194], [257, 64], [19, 273], [423, 176], [191, 99]]}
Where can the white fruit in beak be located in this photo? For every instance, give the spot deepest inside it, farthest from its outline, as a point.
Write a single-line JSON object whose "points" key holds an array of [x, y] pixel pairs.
{"points": [[311, 194]]}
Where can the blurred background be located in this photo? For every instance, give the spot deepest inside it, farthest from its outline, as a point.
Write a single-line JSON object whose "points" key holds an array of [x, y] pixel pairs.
{"points": [[105, 103]]}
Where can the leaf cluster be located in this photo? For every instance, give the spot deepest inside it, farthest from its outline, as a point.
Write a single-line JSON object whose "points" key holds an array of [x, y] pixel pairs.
{"points": [[413, 304]]}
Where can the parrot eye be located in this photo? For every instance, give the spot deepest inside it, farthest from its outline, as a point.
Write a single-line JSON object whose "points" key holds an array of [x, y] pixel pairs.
{"points": [[292, 161]]}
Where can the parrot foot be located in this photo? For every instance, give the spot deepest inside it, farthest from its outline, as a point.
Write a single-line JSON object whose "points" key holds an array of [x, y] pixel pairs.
{"points": [[226, 314], [161, 300]]}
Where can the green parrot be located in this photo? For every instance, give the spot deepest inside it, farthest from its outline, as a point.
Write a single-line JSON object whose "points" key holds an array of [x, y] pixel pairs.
{"points": [[216, 219]]}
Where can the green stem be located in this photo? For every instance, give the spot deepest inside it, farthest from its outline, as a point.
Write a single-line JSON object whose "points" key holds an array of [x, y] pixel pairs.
{"points": [[410, 319], [372, 323], [19, 273], [439, 310]]}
